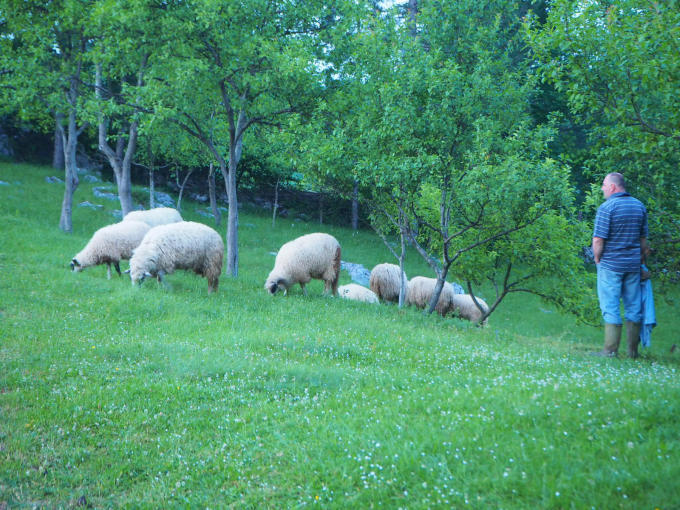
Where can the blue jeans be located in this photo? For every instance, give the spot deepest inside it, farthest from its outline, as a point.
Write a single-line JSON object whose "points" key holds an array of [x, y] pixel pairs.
{"points": [[611, 288]]}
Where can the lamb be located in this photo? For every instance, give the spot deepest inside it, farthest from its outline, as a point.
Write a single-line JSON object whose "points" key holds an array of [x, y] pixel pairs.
{"points": [[109, 245], [385, 282], [310, 256], [155, 217], [420, 291], [465, 308], [185, 245], [357, 293]]}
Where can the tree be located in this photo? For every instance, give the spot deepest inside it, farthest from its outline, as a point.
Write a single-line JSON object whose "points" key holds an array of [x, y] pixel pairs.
{"points": [[250, 63], [617, 63], [447, 152], [44, 58]]}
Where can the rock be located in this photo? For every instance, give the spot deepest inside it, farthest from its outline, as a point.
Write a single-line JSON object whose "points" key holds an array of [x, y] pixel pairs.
{"points": [[6, 149], [202, 212], [102, 192], [198, 197], [90, 205], [457, 289], [53, 180], [163, 199], [357, 272], [90, 178], [3, 183]]}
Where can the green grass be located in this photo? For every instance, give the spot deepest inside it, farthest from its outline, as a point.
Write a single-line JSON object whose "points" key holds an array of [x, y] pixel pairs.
{"points": [[166, 397]]}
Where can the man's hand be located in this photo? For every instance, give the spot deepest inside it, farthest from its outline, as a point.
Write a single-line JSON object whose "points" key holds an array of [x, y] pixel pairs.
{"points": [[644, 250], [598, 248]]}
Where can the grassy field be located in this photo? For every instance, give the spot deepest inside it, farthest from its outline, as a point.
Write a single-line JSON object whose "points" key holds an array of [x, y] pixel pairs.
{"points": [[116, 396]]}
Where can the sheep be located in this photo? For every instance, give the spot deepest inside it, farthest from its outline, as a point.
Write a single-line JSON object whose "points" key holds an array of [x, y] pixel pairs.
{"points": [[357, 293], [465, 308], [185, 245], [385, 281], [420, 291], [155, 217], [109, 245], [298, 261]]}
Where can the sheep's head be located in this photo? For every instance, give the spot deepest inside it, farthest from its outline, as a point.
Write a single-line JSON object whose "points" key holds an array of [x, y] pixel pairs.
{"points": [[274, 283], [139, 272], [75, 266]]}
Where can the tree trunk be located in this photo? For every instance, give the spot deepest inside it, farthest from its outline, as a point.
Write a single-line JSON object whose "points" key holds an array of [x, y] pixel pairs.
{"points": [[232, 217], [320, 208], [229, 175], [441, 279], [212, 193], [71, 173], [120, 163], [152, 187], [152, 180], [181, 188], [355, 206], [412, 15], [276, 202], [402, 274], [58, 155]]}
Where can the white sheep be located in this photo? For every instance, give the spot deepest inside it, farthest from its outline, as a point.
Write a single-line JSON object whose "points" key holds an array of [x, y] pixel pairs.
{"points": [[155, 217], [357, 293], [109, 245], [385, 282], [464, 307], [420, 290], [310, 256], [186, 245]]}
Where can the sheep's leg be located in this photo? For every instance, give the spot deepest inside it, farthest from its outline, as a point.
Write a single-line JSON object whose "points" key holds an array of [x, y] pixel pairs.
{"points": [[337, 262], [108, 270], [117, 266], [304, 290], [212, 285]]}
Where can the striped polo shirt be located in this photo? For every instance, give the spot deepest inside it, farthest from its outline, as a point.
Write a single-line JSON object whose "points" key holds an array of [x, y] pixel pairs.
{"points": [[621, 220]]}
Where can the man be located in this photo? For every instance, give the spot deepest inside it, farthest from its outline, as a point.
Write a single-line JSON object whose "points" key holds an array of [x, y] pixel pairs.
{"points": [[619, 245]]}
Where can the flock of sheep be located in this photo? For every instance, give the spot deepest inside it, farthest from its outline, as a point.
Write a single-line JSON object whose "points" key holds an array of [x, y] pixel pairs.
{"points": [[158, 241]]}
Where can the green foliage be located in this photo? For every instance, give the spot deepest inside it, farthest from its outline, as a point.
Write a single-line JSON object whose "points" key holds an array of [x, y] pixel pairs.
{"points": [[43, 47], [618, 65], [443, 146]]}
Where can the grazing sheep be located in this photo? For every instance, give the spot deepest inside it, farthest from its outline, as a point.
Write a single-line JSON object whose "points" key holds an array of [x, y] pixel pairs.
{"points": [[357, 293], [385, 282], [298, 261], [420, 291], [109, 245], [185, 245], [465, 307], [155, 217]]}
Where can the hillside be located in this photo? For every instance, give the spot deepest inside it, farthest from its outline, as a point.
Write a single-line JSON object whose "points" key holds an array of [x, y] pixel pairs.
{"points": [[113, 395]]}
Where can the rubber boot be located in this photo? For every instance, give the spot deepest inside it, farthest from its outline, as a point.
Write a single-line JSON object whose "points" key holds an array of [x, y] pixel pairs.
{"points": [[633, 338], [612, 338]]}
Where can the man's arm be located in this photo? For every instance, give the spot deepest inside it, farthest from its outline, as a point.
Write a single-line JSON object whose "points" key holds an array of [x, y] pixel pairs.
{"points": [[598, 248], [644, 250]]}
